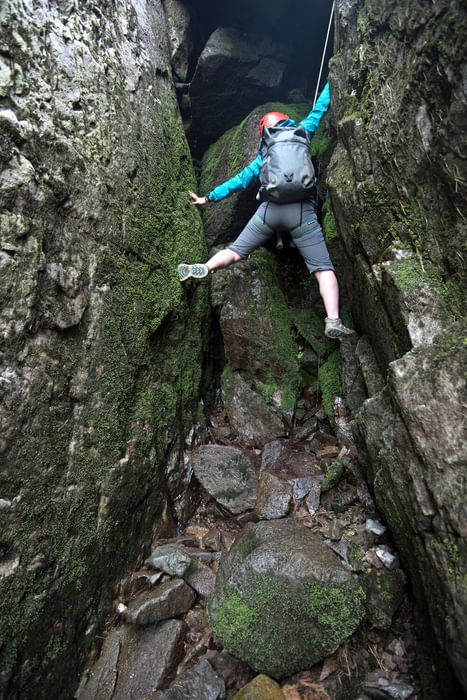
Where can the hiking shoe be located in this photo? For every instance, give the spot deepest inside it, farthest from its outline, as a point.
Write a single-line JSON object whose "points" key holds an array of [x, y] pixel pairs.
{"points": [[197, 270], [334, 328]]}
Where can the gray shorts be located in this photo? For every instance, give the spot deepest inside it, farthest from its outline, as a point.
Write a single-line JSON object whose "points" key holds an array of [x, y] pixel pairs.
{"points": [[299, 219]]}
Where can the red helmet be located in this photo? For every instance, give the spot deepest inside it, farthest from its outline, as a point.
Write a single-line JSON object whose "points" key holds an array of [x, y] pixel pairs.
{"points": [[271, 119]]}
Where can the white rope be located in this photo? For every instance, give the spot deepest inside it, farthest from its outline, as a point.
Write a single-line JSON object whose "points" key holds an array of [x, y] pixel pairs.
{"points": [[324, 54]]}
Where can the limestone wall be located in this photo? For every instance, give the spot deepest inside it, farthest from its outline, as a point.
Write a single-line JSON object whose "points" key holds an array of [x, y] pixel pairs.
{"points": [[100, 347]]}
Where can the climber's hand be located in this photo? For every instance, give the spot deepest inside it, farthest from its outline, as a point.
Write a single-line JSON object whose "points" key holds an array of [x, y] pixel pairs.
{"points": [[197, 200]]}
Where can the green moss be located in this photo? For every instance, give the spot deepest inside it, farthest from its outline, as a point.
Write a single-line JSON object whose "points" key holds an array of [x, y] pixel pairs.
{"points": [[321, 140], [337, 609], [267, 391], [311, 327], [227, 383], [261, 619], [412, 272], [329, 225], [274, 304], [333, 475], [384, 596], [140, 371], [330, 381]]}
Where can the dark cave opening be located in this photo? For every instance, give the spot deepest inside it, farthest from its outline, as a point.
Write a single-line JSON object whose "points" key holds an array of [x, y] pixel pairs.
{"points": [[295, 37]]}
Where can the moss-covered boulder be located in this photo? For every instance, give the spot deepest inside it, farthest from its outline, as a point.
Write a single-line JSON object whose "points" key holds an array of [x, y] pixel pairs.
{"points": [[280, 588], [256, 324]]}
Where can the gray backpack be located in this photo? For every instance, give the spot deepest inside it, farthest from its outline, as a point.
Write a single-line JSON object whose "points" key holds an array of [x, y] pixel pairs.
{"points": [[287, 174]]}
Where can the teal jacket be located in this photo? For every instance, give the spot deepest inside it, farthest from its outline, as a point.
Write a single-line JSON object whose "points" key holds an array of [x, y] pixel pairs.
{"points": [[250, 173]]}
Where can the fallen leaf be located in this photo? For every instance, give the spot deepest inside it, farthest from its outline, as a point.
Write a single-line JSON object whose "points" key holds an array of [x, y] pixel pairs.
{"points": [[330, 665], [305, 690], [329, 451]]}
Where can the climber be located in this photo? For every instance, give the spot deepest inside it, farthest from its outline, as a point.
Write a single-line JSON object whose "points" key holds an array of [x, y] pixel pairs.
{"points": [[297, 217]]}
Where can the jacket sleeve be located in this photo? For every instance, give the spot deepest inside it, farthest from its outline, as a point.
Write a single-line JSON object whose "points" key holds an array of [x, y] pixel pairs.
{"points": [[311, 122], [238, 182]]}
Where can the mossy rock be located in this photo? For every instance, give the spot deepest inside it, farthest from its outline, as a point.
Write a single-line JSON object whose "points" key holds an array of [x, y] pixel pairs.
{"points": [[280, 588]]}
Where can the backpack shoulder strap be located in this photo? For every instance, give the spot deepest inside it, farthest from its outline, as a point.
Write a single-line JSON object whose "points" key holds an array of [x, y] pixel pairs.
{"points": [[302, 132]]}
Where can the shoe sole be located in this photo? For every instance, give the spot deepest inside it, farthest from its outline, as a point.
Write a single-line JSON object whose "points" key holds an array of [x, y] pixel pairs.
{"points": [[334, 333], [198, 271]]}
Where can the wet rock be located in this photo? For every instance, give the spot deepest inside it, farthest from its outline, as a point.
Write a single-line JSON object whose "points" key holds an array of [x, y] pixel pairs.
{"points": [[260, 688], [76, 381], [302, 486], [381, 683], [272, 452], [232, 63], [170, 599], [254, 421], [235, 673], [197, 624], [384, 596], [313, 498], [149, 658], [274, 497], [134, 662], [200, 682], [389, 559], [415, 448], [258, 339], [290, 462], [227, 475], [375, 527], [5, 505], [372, 376], [180, 37], [99, 682], [213, 539], [333, 475], [321, 440], [280, 588], [171, 558], [201, 578], [340, 498]]}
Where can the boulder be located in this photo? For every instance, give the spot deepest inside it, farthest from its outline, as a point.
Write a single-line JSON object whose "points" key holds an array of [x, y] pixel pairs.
{"points": [[280, 588], [170, 599], [173, 559], [260, 688], [134, 662], [234, 64], [227, 475], [99, 682], [149, 659], [255, 322], [250, 416], [201, 682], [274, 497], [236, 148]]}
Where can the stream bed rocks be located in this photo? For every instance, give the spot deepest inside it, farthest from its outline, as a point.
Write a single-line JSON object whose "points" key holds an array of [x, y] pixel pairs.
{"points": [[318, 578]]}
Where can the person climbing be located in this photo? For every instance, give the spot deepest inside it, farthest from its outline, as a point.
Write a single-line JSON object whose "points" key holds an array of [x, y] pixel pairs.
{"points": [[296, 214]]}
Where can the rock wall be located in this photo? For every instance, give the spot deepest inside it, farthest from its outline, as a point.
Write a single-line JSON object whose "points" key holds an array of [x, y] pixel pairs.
{"points": [[397, 187], [100, 347]]}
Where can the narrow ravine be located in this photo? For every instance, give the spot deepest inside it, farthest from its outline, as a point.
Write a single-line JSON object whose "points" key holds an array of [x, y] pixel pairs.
{"points": [[310, 494]]}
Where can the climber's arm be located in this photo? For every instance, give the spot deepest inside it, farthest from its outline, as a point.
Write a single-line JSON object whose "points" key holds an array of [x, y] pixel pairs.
{"points": [[238, 182], [311, 122]]}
